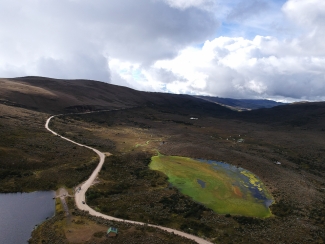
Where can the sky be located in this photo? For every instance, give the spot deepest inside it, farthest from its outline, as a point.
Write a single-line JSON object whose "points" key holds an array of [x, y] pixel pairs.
{"points": [[262, 49]]}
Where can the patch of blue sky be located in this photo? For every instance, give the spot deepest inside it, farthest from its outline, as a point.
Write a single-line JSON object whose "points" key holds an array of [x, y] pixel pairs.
{"points": [[192, 92], [199, 45], [247, 32], [123, 71], [269, 20], [230, 30], [278, 2], [164, 88], [137, 75]]}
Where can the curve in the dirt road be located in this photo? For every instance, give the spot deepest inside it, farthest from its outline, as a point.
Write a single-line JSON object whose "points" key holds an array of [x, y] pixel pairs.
{"points": [[81, 191]]}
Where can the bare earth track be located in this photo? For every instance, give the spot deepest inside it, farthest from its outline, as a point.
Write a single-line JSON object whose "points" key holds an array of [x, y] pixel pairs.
{"points": [[80, 194]]}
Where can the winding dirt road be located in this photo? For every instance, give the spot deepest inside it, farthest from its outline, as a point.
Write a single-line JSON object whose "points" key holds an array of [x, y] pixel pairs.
{"points": [[80, 194]]}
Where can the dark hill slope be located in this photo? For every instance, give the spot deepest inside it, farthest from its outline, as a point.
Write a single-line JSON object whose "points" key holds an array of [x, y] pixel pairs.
{"points": [[59, 96], [305, 115], [242, 104]]}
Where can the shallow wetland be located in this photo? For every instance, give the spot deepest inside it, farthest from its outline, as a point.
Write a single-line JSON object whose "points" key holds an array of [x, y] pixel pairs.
{"points": [[224, 188]]}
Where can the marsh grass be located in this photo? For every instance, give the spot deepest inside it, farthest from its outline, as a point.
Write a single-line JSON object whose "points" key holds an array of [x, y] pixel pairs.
{"points": [[127, 188], [130, 189], [225, 192], [34, 159]]}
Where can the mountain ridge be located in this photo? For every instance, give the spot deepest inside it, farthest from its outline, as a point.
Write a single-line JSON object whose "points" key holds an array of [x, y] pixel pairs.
{"points": [[64, 96], [59, 95], [242, 104]]}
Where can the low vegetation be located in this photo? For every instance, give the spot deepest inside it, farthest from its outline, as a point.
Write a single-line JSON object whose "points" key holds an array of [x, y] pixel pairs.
{"points": [[219, 186], [128, 189], [81, 227], [33, 159]]}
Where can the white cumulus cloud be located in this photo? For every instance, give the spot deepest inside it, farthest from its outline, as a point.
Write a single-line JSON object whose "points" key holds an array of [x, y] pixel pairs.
{"points": [[264, 67], [241, 48], [183, 4]]}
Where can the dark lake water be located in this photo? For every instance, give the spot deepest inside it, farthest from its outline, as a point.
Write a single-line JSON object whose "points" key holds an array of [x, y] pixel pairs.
{"points": [[20, 212]]}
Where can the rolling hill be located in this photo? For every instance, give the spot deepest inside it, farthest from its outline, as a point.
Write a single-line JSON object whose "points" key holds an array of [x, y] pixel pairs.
{"points": [[60, 96], [242, 104], [33, 159]]}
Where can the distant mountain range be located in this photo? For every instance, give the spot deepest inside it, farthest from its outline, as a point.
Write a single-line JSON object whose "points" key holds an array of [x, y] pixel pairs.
{"points": [[260, 134], [61, 96], [67, 96], [242, 104]]}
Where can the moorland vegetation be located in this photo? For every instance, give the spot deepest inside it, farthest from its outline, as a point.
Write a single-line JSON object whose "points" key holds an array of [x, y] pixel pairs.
{"points": [[127, 188], [33, 159]]}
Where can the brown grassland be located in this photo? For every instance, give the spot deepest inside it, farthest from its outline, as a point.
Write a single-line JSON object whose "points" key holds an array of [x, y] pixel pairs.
{"points": [[33, 159], [128, 189], [79, 227]]}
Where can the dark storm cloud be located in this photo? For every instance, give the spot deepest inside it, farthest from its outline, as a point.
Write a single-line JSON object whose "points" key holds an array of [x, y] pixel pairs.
{"points": [[166, 76], [82, 66], [262, 49], [151, 30], [67, 34]]}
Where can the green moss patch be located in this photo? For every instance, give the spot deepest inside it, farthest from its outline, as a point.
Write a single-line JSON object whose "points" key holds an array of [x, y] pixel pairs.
{"points": [[224, 188]]}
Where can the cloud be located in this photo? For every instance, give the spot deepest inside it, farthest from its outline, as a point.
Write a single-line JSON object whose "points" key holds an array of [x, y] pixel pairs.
{"points": [[264, 67], [247, 9], [306, 12], [75, 37], [309, 16], [184, 4], [85, 66], [243, 49], [288, 67]]}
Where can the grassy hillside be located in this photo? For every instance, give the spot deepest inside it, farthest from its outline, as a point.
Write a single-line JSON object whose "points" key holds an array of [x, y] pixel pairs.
{"points": [[60, 96], [127, 188], [242, 104], [33, 159]]}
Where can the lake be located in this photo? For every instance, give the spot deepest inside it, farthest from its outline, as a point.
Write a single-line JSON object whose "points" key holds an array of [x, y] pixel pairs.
{"points": [[20, 212]]}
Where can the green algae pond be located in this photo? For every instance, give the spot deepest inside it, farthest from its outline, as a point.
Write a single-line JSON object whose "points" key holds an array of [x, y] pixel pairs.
{"points": [[224, 188]]}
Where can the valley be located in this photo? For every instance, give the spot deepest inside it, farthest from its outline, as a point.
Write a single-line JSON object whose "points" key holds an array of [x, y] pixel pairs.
{"points": [[33, 159], [125, 183]]}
